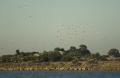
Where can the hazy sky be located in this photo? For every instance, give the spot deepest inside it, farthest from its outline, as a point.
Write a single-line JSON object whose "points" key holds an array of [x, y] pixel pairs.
{"points": [[38, 25]]}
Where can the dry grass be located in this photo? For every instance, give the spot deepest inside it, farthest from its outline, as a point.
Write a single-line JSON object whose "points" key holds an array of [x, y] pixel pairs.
{"points": [[102, 65]]}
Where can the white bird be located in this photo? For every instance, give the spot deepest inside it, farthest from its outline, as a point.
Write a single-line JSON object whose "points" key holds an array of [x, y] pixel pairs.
{"points": [[43, 4], [17, 42], [35, 42], [63, 26], [61, 35], [68, 28], [84, 32], [24, 6]]}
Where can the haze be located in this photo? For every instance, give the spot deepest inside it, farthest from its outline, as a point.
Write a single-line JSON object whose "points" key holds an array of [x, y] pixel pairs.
{"points": [[42, 25]]}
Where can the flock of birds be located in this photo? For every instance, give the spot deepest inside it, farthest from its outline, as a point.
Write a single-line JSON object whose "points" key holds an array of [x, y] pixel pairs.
{"points": [[62, 32], [70, 33]]}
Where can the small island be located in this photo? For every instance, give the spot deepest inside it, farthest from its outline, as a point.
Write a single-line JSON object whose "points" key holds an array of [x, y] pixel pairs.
{"points": [[59, 59]]}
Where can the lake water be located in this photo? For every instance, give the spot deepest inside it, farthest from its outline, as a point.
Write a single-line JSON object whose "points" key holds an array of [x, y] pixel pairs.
{"points": [[59, 74]]}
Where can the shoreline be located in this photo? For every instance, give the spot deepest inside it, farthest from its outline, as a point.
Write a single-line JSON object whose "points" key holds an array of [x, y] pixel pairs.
{"points": [[102, 65]]}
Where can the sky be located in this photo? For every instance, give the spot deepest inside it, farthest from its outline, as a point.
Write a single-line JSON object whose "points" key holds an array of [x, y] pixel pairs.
{"points": [[43, 25]]}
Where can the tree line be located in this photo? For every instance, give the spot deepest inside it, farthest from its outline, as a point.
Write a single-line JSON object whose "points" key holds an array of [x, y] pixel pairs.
{"points": [[59, 55]]}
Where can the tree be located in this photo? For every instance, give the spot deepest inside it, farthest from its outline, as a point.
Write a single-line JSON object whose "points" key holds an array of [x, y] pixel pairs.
{"points": [[83, 47], [57, 49], [94, 56], [72, 49], [44, 57], [17, 52], [97, 55], [6, 58], [114, 52], [0, 59], [62, 49], [71, 56], [66, 58], [54, 56], [103, 58], [83, 50]]}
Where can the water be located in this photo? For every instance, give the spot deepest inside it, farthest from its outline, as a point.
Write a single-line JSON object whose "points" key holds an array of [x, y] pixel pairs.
{"points": [[59, 74]]}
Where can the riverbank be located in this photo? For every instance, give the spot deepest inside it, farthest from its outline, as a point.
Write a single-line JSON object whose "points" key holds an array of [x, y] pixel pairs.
{"points": [[83, 65]]}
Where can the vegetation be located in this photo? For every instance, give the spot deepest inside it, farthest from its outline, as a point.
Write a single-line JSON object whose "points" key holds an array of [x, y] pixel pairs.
{"points": [[114, 52], [73, 55]]}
